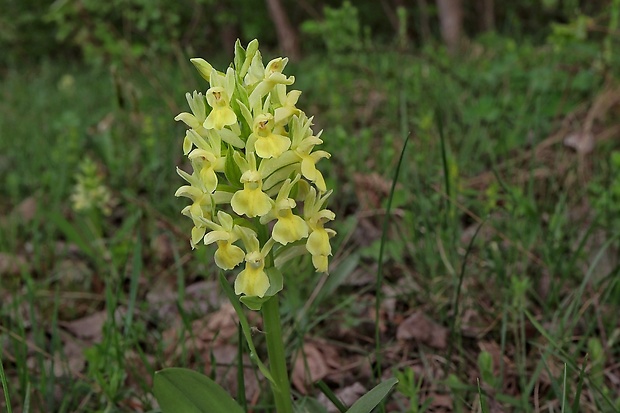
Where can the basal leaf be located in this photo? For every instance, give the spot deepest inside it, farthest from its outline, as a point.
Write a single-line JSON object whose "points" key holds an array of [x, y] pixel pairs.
{"points": [[370, 400], [181, 390]]}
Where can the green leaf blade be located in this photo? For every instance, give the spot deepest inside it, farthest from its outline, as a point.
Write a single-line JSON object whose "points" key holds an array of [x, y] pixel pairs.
{"points": [[370, 400], [181, 390]]}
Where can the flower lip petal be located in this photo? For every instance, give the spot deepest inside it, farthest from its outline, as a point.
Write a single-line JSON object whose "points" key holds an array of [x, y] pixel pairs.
{"points": [[228, 256], [252, 283], [318, 243], [251, 202], [220, 117], [290, 229]]}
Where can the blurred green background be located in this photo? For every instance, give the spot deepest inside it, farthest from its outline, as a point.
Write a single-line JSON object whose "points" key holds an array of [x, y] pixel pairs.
{"points": [[505, 217]]}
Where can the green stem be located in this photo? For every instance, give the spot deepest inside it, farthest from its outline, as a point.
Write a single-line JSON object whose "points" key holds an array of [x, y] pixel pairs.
{"points": [[277, 360]]}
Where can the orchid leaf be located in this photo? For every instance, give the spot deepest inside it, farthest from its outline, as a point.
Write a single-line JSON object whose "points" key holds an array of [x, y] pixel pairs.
{"points": [[181, 390]]}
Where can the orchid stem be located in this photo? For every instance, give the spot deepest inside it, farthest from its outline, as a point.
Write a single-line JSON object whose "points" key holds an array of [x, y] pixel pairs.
{"points": [[277, 360]]}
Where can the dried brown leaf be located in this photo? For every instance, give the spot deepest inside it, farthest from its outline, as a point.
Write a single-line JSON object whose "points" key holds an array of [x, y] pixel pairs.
{"points": [[313, 363], [220, 325], [226, 357], [370, 189], [89, 327], [442, 401], [162, 248], [421, 328], [72, 361], [26, 209]]}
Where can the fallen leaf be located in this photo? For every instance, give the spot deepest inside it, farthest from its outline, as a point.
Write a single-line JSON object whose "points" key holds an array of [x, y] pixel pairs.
{"points": [[204, 296], [103, 125], [89, 327], [226, 356], [313, 363], [371, 189], [221, 325], [26, 209], [212, 330], [441, 400], [419, 327], [72, 361], [473, 322], [162, 249]]}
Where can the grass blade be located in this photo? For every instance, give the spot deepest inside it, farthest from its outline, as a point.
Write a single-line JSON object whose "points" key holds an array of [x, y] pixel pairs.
{"points": [[370, 400], [483, 407], [564, 388], [331, 396], [136, 269], [5, 387], [386, 223], [457, 294], [580, 384]]}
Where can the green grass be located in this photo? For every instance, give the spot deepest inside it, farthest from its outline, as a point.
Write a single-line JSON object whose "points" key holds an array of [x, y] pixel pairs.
{"points": [[537, 288]]}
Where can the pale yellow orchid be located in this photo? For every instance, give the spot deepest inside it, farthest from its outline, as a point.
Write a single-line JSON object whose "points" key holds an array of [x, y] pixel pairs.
{"points": [[251, 200], [252, 148], [318, 241], [222, 114], [272, 76], [287, 104], [207, 158], [303, 142], [289, 227], [227, 256], [264, 141], [200, 209], [195, 119], [199, 111], [253, 280], [203, 204], [206, 163]]}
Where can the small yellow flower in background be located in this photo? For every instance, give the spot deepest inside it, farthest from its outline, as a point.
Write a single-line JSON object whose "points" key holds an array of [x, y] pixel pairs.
{"points": [[254, 164], [90, 192]]}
